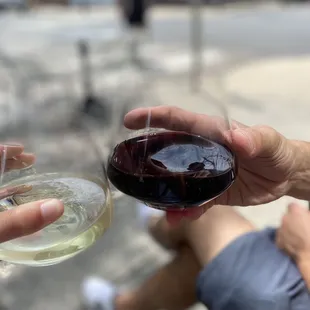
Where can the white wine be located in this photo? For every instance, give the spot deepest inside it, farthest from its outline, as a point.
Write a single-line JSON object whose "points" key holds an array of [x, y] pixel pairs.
{"points": [[87, 215]]}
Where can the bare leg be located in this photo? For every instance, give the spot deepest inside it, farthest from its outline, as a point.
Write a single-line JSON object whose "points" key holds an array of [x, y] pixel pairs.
{"points": [[215, 230], [207, 235], [168, 237], [173, 286]]}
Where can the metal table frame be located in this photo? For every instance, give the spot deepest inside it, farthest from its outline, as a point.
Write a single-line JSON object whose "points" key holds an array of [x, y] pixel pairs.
{"points": [[197, 44]]}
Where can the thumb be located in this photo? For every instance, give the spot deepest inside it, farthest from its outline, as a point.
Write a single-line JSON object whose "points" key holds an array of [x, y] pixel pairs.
{"points": [[29, 218], [295, 208], [256, 141]]}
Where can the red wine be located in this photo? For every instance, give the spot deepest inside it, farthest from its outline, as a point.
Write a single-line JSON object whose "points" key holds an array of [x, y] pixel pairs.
{"points": [[171, 169]]}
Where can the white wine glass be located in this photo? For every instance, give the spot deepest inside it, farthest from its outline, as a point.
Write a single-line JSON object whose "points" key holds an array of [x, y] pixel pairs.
{"points": [[61, 162]]}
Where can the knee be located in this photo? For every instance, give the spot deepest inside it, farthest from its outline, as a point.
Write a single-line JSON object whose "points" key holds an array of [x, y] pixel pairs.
{"points": [[168, 237]]}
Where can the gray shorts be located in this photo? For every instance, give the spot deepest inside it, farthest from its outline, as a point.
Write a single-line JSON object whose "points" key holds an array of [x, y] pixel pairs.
{"points": [[253, 274]]}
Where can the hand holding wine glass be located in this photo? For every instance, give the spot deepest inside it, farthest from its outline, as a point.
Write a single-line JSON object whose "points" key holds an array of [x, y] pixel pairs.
{"points": [[265, 159], [67, 175], [27, 218], [15, 157], [69, 169], [174, 169]]}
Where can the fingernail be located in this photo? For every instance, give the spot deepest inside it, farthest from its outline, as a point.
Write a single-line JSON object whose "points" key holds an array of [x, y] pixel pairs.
{"points": [[294, 207], [51, 210]]}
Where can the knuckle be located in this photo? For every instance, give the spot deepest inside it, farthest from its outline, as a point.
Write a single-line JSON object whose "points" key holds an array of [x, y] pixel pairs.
{"points": [[174, 109], [266, 132], [273, 139]]}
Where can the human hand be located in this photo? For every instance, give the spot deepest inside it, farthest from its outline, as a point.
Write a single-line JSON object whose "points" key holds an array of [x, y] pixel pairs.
{"points": [[293, 236], [16, 158], [265, 157], [28, 218]]}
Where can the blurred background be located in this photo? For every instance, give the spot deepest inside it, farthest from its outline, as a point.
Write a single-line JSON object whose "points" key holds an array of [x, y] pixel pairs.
{"points": [[70, 57]]}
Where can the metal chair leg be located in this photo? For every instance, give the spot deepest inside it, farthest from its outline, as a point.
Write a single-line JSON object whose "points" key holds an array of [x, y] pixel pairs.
{"points": [[196, 45]]}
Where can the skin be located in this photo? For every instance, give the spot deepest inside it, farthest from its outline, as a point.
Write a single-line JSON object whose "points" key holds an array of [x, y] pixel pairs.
{"points": [[266, 159], [28, 218], [197, 243], [293, 237]]}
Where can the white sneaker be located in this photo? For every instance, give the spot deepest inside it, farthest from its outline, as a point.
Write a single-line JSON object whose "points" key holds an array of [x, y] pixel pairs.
{"points": [[98, 294], [145, 213]]}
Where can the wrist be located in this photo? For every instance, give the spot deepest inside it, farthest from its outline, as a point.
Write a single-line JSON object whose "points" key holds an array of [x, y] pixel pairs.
{"points": [[299, 181]]}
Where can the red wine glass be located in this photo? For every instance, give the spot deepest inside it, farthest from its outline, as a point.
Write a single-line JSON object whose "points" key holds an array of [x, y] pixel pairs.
{"points": [[164, 160]]}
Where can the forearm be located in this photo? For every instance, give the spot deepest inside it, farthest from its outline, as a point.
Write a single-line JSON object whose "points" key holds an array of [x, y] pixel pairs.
{"points": [[300, 179]]}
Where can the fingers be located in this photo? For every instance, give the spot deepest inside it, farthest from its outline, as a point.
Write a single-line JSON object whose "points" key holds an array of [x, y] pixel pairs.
{"points": [[14, 190], [167, 117], [20, 161], [285, 234], [14, 157], [176, 119], [284, 244], [257, 141], [295, 208], [11, 150], [29, 218], [214, 128]]}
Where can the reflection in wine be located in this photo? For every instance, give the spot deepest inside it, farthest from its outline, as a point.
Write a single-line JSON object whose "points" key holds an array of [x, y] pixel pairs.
{"points": [[172, 170]]}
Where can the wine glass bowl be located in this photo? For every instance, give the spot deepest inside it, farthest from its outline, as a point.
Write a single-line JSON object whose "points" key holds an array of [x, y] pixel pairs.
{"points": [[54, 159], [169, 163]]}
